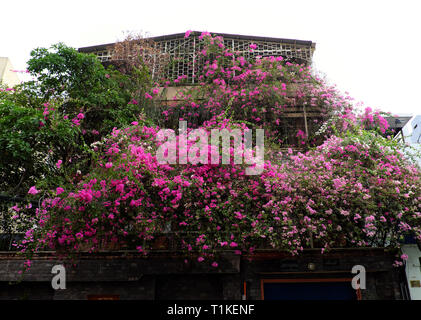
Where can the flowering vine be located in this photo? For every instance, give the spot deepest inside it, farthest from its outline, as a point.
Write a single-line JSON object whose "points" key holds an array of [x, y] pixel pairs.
{"points": [[347, 186]]}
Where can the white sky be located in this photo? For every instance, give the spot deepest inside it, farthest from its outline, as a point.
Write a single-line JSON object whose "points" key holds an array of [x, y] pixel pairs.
{"points": [[371, 49]]}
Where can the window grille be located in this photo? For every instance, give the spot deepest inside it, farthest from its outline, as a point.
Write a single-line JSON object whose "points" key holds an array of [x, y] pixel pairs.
{"points": [[182, 52]]}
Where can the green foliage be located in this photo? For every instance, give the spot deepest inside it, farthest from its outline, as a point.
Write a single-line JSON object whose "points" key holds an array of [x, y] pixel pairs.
{"points": [[82, 84], [32, 143], [72, 102], [62, 71]]}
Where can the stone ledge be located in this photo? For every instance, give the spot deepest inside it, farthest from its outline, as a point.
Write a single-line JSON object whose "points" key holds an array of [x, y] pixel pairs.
{"points": [[113, 268]]}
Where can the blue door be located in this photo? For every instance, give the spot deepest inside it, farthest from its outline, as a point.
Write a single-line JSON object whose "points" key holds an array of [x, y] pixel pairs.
{"points": [[309, 291]]}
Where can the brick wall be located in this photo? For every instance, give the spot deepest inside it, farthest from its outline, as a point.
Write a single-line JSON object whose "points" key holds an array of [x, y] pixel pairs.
{"points": [[167, 276]]}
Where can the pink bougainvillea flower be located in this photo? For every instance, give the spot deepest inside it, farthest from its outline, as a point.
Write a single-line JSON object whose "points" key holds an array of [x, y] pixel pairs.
{"points": [[33, 190], [108, 165], [200, 259], [204, 34], [187, 34], [148, 96], [80, 116], [253, 46], [59, 190], [215, 264], [58, 164], [120, 187]]}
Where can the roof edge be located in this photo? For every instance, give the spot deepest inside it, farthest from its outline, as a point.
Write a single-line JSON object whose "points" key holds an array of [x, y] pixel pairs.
{"points": [[225, 35]]}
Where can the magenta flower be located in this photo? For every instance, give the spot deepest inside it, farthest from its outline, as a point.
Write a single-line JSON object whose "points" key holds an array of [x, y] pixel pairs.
{"points": [[187, 34], [58, 164], [204, 34], [120, 187], [59, 190], [33, 190]]}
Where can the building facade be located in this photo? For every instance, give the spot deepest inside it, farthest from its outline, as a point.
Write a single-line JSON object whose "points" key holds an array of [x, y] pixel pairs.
{"points": [[167, 273]]}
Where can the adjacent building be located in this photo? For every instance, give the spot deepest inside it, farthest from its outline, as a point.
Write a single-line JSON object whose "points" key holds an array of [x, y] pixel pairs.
{"points": [[8, 76]]}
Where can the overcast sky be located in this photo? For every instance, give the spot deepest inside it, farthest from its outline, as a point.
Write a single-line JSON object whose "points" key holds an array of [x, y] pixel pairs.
{"points": [[371, 49]]}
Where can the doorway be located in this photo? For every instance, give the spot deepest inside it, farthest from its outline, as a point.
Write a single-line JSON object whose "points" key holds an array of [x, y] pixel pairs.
{"points": [[308, 289]]}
